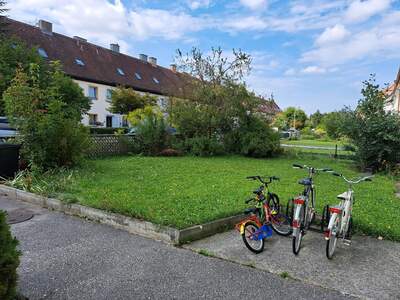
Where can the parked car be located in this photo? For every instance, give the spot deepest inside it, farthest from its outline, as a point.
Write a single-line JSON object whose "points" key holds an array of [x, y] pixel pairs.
{"points": [[290, 134], [6, 131]]}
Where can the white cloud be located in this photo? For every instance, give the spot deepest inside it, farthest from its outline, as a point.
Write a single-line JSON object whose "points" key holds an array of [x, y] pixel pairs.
{"points": [[254, 4], [196, 4], [245, 23], [333, 35], [313, 70], [290, 72], [360, 11]]}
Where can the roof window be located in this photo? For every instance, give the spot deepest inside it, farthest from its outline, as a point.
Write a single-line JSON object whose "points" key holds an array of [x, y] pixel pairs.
{"points": [[79, 62], [138, 77], [156, 80], [120, 71]]}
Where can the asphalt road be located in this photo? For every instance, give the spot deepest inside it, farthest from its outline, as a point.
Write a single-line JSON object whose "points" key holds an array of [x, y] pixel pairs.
{"points": [[69, 258]]}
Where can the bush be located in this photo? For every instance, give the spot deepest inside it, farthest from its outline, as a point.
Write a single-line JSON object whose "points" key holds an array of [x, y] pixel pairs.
{"points": [[170, 152], [9, 261], [106, 130], [259, 140], [203, 146], [47, 111]]}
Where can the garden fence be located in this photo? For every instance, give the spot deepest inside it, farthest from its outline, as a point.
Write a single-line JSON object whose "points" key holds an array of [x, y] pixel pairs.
{"points": [[110, 144]]}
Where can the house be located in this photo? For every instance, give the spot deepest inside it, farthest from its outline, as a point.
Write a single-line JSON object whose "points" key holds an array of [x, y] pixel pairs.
{"points": [[392, 93], [99, 70], [268, 108]]}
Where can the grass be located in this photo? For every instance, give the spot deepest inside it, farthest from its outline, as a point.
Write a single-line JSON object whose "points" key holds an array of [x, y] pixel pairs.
{"points": [[184, 191], [317, 143]]}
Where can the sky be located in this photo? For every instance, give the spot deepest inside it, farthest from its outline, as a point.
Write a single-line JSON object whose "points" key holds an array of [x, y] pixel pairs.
{"points": [[311, 54]]}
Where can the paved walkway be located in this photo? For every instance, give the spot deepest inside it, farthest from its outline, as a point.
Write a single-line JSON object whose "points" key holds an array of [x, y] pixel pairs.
{"points": [[369, 268], [69, 258]]}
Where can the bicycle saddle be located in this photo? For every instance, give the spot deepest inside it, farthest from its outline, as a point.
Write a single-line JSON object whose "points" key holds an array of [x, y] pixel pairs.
{"points": [[343, 196], [305, 181]]}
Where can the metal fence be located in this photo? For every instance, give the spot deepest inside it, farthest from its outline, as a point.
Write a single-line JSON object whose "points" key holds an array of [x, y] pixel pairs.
{"points": [[110, 144]]}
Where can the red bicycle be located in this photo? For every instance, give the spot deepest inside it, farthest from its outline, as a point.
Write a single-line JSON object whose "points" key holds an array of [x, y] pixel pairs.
{"points": [[263, 218]]}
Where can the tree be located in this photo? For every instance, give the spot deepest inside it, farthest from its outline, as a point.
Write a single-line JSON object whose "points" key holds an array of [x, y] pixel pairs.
{"points": [[125, 100], [291, 117], [374, 132], [47, 112], [14, 54], [332, 123], [315, 119]]}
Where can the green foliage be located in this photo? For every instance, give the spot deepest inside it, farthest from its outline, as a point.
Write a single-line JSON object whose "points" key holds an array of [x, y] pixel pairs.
{"points": [[47, 111], [290, 117], [203, 146], [107, 130], [125, 100], [13, 55], [150, 129], [315, 119], [9, 261], [375, 133], [332, 124]]}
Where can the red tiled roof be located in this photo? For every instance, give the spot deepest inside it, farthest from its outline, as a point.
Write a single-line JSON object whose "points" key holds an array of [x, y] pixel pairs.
{"points": [[269, 107], [393, 87], [100, 63]]}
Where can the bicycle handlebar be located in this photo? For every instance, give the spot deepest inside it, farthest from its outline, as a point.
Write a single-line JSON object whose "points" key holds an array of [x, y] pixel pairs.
{"points": [[353, 181], [298, 166], [259, 178]]}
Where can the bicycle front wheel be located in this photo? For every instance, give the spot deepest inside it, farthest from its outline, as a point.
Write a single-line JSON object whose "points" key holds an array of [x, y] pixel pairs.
{"points": [[250, 238], [281, 224], [296, 242], [331, 243]]}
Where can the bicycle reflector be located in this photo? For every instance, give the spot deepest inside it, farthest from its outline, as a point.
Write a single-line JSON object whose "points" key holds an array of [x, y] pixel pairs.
{"points": [[296, 224], [335, 210], [298, 201]]}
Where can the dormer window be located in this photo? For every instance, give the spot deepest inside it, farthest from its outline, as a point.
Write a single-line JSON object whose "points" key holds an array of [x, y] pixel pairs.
{"points": [[42, 53], [120, 72], [79, 62], [138, 77], [156, 80]]}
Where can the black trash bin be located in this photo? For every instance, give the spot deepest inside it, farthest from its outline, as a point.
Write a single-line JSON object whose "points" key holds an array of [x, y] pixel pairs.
{"points": [[9, 158]]}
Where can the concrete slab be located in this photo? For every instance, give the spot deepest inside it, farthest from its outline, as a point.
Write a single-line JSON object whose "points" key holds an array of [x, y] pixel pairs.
{"points": [[369, 268]]}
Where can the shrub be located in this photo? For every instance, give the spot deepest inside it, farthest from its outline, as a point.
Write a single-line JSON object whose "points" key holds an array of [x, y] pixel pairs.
{"points": [[203, 146], [47, 111], [9, 261], [259, 140], [106, 130]]}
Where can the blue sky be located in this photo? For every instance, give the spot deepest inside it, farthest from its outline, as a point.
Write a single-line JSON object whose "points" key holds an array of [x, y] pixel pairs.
{"points": [[311, 54]]}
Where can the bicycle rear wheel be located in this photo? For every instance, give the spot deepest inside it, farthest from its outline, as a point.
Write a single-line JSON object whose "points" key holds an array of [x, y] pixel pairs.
{"points": [[250, 239], [281, 224]]}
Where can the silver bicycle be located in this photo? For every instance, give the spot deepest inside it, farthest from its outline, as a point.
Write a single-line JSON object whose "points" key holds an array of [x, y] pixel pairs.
{"points": [[340, 216], [304, 206]]}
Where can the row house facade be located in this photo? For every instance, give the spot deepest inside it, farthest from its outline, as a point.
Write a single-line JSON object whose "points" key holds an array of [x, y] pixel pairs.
{"points": [[98, 70]]}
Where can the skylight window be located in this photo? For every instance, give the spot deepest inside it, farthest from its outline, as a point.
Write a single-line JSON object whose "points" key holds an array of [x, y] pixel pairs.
{"points": [[79, 62], [42, 53], [156, 80], [138, 77], [120, 72]]}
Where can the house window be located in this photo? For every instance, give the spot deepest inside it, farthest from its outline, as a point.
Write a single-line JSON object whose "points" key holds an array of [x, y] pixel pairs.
{"points": [[120, 72], [79, 62], [93, 92], [138, 77], [92, 119], [42, 53], [156, 80], [109, 94]]}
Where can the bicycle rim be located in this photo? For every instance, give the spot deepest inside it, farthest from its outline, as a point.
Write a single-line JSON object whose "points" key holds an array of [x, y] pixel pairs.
{"points": [[253, 245], [331, 246], [296, 242], [281, 224]]}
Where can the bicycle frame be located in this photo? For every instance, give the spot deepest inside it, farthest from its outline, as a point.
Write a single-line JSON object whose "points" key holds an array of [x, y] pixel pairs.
{"points": [[343, 212]]}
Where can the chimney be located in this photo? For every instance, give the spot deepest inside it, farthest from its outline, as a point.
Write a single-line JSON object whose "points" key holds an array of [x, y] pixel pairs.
{"points": [[173, 68], [143, 57], [45, 26], [80, 39], [153, 61], [114, 47]]}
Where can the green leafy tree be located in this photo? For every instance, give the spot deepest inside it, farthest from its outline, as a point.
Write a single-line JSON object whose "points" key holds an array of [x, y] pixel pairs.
{"points": [[14, 54], [374, 132], [9, 261], [315, 119], [291, 117], [47, 112], [125, 100], [332, 123]]}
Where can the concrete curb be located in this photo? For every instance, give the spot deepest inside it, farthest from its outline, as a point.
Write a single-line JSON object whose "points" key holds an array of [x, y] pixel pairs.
{"points": [[132, 225]]}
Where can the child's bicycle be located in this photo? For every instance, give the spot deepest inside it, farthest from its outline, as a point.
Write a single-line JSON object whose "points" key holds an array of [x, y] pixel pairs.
{"points": [[304, 206], [340, 217], [264, 216]]}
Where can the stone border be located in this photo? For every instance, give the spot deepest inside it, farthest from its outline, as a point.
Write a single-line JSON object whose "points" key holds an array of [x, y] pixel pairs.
{"points": [[132, 225]]}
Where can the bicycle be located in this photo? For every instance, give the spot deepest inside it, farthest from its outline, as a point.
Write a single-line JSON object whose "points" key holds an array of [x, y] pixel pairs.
{"points": [[304, 206], [341, 221], [264, 216]]}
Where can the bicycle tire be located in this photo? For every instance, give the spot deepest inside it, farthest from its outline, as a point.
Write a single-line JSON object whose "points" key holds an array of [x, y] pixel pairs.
{"points": [[248, 246], [297, 239], [331, 244], [276, 224]]}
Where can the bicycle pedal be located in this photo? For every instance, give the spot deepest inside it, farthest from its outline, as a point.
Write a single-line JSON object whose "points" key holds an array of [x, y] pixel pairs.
{"points": [[347, 242]]}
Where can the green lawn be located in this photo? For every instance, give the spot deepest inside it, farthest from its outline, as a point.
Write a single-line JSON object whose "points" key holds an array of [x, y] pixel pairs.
{"points": [[317, 143], [184, 191]]}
